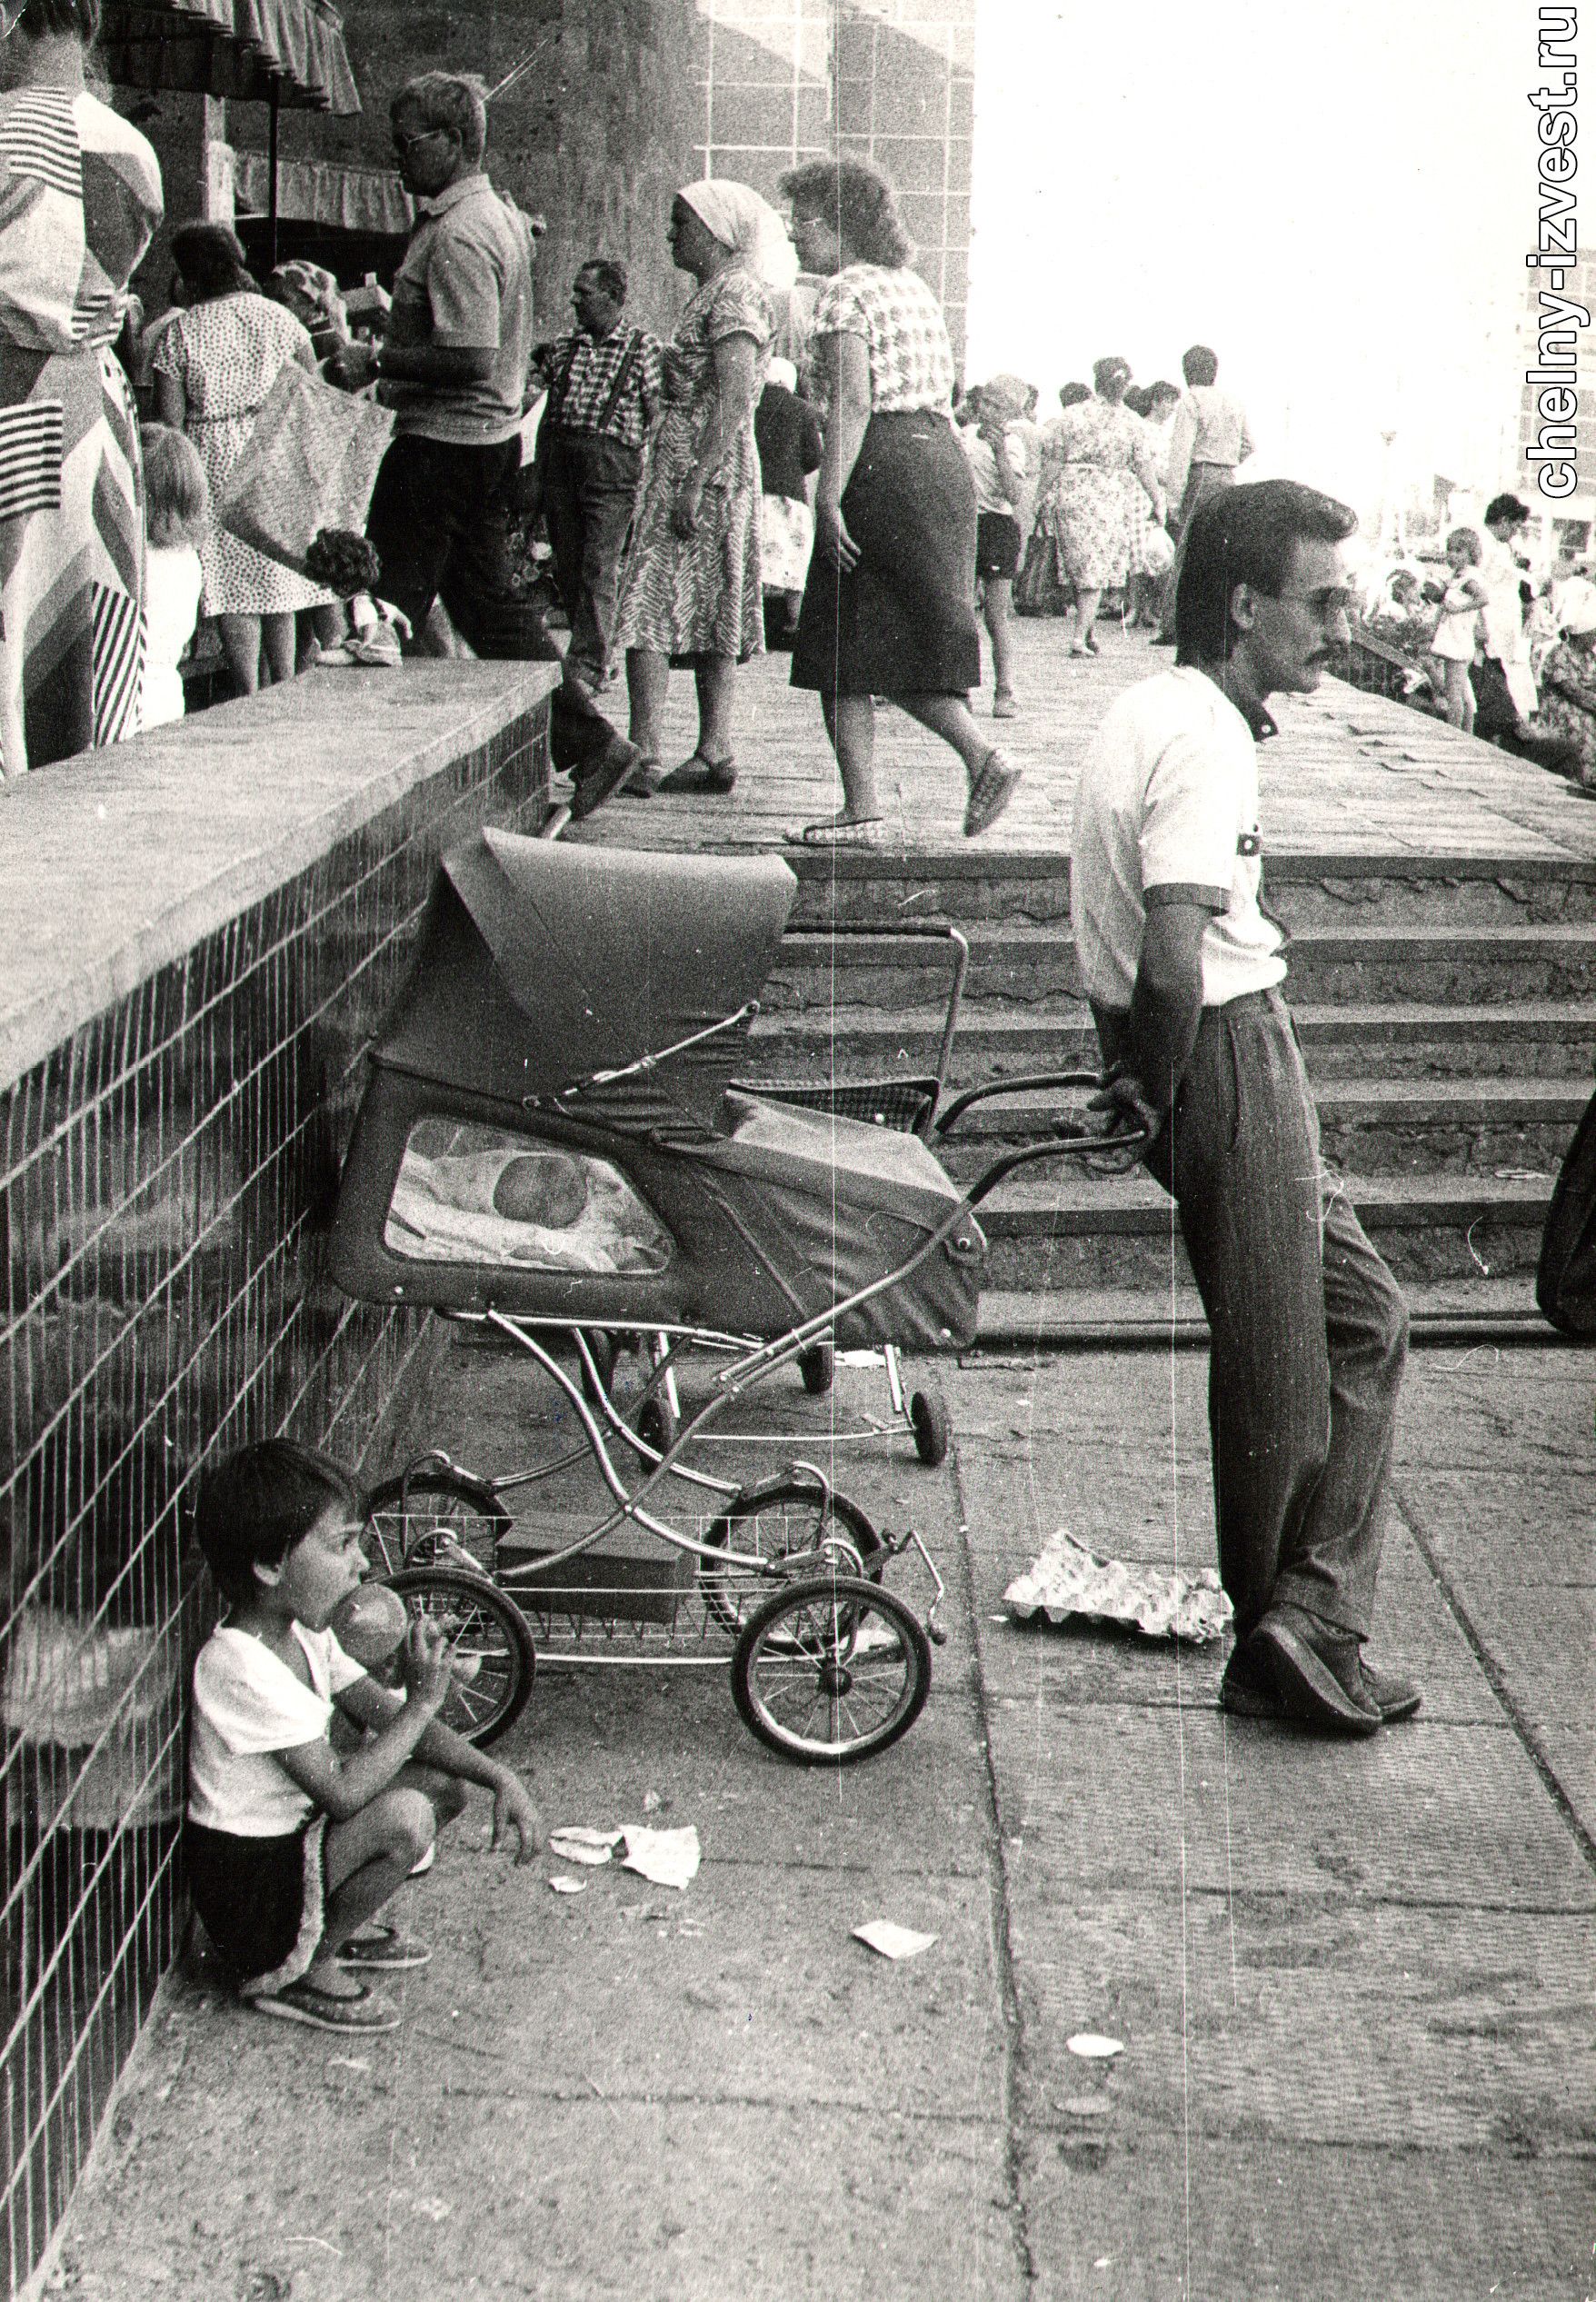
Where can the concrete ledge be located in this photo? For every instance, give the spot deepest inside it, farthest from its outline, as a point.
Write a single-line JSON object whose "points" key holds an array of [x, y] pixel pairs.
{"points": [[116, 864]]}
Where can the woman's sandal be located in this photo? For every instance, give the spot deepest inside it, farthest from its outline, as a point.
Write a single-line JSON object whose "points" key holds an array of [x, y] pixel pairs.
{"points": [[385, 1947], [839, 830], [1003, 704], [701, 775], [363, 2012], [993, 787]]}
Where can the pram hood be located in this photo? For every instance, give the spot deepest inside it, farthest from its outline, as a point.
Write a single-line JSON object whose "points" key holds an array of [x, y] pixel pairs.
{"points": [[539, 965]]}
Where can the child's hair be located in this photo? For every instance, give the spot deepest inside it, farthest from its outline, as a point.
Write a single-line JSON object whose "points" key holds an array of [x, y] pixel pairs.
{"points": [[344, 561], [259, 1502], [1404, 582], [177, 496], [1467, 537]]}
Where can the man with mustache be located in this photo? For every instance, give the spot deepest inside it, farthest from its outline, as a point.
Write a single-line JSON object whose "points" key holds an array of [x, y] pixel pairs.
{"points": [[1183, 969]]}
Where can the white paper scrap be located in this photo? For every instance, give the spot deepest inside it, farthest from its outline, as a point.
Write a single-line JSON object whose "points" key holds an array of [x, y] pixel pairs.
{"points": [[1068, 1580], [669, 1858], [891, 1940], [568, 1886], [1094, 2048], [577, 1845]]}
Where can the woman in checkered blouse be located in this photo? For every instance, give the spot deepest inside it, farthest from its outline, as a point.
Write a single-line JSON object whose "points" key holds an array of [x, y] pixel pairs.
{"points": [[889, 606]]}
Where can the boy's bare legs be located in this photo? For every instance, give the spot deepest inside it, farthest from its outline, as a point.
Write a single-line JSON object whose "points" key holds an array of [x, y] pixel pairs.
{"points": [[997, 612], [368, 1859]]}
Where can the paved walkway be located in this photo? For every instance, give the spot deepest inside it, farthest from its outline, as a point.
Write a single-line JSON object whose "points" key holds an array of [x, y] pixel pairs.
{"points": [[1352, 1984], [1351, 774]]}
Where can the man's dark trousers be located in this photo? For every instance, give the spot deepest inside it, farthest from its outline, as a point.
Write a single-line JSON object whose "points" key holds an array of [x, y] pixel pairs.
{"points": [[1309, 1329], [439, 520], [590, 488]]}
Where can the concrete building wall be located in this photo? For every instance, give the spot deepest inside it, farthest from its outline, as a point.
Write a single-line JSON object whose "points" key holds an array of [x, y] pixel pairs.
{"points": [[595, 135]]}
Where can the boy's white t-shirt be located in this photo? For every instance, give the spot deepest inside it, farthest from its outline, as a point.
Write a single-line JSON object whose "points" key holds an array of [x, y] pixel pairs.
{"points": [[247, 1705], [172, 598]]}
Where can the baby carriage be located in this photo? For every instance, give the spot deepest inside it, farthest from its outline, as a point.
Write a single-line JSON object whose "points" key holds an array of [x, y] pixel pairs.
{"points": [[552, 1145]]}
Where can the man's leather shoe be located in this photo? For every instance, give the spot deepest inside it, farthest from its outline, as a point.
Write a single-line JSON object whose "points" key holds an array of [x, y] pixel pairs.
{"points": [[1317, 1672], [1395, 1698]]}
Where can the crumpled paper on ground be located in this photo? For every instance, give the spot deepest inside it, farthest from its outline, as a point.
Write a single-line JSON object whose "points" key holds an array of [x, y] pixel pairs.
{"points": [[1166, 1603], [669, 1858], [576, 1844], [891, 1940]]}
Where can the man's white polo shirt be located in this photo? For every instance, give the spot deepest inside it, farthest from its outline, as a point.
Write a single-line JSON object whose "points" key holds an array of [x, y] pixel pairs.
{"points": [[1168, 800]]}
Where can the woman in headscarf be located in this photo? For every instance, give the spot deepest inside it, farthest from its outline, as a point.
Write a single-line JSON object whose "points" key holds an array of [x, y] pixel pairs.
{"points": [[691, 588], [80, 196]]}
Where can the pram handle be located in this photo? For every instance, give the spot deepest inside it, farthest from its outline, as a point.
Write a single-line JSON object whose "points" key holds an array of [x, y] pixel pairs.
{"points": [[1086, 1145], [973, 1095]]}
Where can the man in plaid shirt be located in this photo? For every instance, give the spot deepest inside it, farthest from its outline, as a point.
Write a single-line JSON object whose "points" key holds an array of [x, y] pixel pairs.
{"points": [[604, 384]]}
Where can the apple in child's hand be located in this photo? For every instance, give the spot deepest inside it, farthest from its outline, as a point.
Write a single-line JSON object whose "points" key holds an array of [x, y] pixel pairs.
{"points": [[370, 1624]]}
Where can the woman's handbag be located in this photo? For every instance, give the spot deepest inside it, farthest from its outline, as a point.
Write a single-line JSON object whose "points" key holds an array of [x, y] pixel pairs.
{"points": [[311, 463], [1565, 1282]]}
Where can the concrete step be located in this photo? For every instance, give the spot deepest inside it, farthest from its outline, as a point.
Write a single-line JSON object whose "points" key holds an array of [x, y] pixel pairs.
{"points": [[1501, 963], [1403, 1040], [1066, 1318], [1303, 888], [1072, 1231], [1416, 1126]]}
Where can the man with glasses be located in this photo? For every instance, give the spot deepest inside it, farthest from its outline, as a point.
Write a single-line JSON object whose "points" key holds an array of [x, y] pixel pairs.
{"points": [[452, 364], [1183, 968]]}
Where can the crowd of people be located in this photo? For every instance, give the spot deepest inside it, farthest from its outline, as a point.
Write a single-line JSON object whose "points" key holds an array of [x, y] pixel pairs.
{"points": [[814, 485]]}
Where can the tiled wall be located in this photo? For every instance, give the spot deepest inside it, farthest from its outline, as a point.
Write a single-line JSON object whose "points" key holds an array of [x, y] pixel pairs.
{"points": [[890, 81], [165, 1176]]}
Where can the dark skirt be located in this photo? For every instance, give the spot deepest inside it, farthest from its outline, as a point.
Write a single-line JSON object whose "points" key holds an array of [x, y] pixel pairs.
{"points": [[262, 1901], [902, 622]]}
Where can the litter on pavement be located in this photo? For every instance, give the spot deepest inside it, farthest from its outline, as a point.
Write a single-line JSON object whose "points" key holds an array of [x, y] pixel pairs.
{"points": [[891, 1940], [577, 1845], [1165, 1602], [569, 1886], [669, 1858], [1091, 2046]]}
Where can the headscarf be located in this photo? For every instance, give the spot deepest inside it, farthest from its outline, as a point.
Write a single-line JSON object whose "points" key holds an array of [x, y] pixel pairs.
{"points": [[1574, 607], [736, 216]]}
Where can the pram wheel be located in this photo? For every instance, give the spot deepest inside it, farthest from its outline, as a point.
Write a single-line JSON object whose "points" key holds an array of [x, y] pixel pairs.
{"points": [[494, 1659], [830, 1670], [417, 1521], [789, 1517], [656, 1425], [933, 1426], [818, 1367]]}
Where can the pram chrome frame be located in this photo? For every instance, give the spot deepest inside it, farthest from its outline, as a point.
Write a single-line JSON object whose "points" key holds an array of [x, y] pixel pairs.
{"points": [[831, 1579]]}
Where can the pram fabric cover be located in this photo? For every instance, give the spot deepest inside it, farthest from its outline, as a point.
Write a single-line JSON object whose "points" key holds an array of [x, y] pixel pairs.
{"points": [[489, 1167]]}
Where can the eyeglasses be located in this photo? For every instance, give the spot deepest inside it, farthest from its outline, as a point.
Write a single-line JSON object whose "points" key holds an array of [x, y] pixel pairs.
{"points": [[1326, 606], [403, 144]]}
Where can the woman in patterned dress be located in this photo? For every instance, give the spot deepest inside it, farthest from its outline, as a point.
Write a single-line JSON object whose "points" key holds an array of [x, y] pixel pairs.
{"points": [[215, 365], [80, 196], [691, 590], [1103, 453], [889, 608]]}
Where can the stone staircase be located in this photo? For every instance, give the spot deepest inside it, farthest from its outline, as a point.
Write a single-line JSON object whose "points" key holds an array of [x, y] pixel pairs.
{"points": [[1446, 1006]]}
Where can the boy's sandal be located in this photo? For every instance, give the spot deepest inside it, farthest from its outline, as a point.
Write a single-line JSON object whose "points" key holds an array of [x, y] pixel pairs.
{"points": [[618, 764], [839, 830], [699, 775], [362, 2013], [1003, 705], [419, 1869], [994, 786], [385, 1947]]}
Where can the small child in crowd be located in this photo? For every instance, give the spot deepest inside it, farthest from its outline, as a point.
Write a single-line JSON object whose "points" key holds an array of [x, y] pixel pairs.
{"points": [[178, 513], [1457, 635], [292, 1848]]}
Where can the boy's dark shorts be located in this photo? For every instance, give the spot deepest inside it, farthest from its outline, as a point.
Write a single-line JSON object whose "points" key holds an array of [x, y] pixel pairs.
{"points": [[997, 544], [262, 1900]]}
